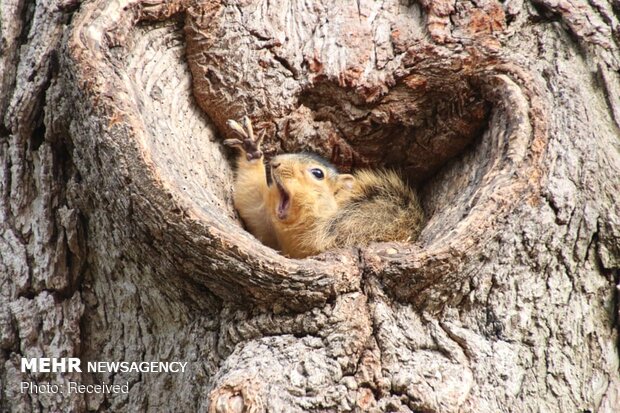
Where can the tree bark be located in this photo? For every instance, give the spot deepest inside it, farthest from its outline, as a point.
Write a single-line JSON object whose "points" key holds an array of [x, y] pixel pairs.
{"points": [[119, 241]]}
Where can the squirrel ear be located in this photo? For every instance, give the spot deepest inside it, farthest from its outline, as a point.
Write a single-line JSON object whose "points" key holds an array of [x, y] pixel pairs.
{"points": [[346, 181]]}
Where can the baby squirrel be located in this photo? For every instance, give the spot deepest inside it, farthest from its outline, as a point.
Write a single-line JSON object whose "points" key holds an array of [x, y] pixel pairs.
{"points": [[307, 207]]}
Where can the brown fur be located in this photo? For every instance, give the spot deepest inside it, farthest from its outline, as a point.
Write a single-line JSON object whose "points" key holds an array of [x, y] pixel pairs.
{"points": [[336, 211]]}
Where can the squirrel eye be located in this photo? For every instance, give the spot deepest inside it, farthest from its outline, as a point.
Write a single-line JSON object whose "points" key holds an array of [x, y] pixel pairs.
{"points": [[318, 174]]}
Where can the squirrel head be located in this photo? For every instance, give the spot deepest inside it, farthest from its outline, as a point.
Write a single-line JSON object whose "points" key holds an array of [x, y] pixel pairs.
{"points": [[305, 187]]}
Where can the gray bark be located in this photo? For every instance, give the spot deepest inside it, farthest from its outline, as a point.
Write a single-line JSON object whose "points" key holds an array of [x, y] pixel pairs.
{"points": [[119, 242]]}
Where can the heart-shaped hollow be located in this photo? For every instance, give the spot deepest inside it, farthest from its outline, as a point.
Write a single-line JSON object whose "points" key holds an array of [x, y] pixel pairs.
{"points": [[170, 169]]}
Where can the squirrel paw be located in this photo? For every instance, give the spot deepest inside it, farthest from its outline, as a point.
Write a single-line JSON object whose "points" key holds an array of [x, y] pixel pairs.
{"points": [[247, 143]]}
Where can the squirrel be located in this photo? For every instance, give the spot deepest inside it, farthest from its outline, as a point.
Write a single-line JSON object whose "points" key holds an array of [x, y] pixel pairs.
{"points": [[305, 207]]}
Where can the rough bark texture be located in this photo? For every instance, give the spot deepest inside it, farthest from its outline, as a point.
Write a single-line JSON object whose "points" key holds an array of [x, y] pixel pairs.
{"points": [[118, 240]]}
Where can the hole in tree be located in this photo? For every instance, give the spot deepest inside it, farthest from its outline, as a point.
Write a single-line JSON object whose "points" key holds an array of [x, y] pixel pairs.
{"points": [[429, 124]]}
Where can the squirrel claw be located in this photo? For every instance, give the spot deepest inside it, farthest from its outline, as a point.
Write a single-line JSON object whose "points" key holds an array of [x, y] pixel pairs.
{"points": [[233, 143], [237, 128], [247, 143]]}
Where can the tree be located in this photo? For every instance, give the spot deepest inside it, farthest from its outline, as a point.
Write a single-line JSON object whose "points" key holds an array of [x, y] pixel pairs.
{"points": [[119, 242]]}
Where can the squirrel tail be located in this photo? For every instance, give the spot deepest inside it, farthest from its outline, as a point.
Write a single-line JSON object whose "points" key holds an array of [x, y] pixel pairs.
{"points": [[381, 207]]}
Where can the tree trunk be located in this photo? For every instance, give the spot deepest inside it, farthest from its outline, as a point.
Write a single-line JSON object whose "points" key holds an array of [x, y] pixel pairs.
{"points": [[119, 242]]}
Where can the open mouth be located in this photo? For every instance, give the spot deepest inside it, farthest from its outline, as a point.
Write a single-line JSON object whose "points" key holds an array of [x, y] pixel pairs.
{"points": [[285, 201]]}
